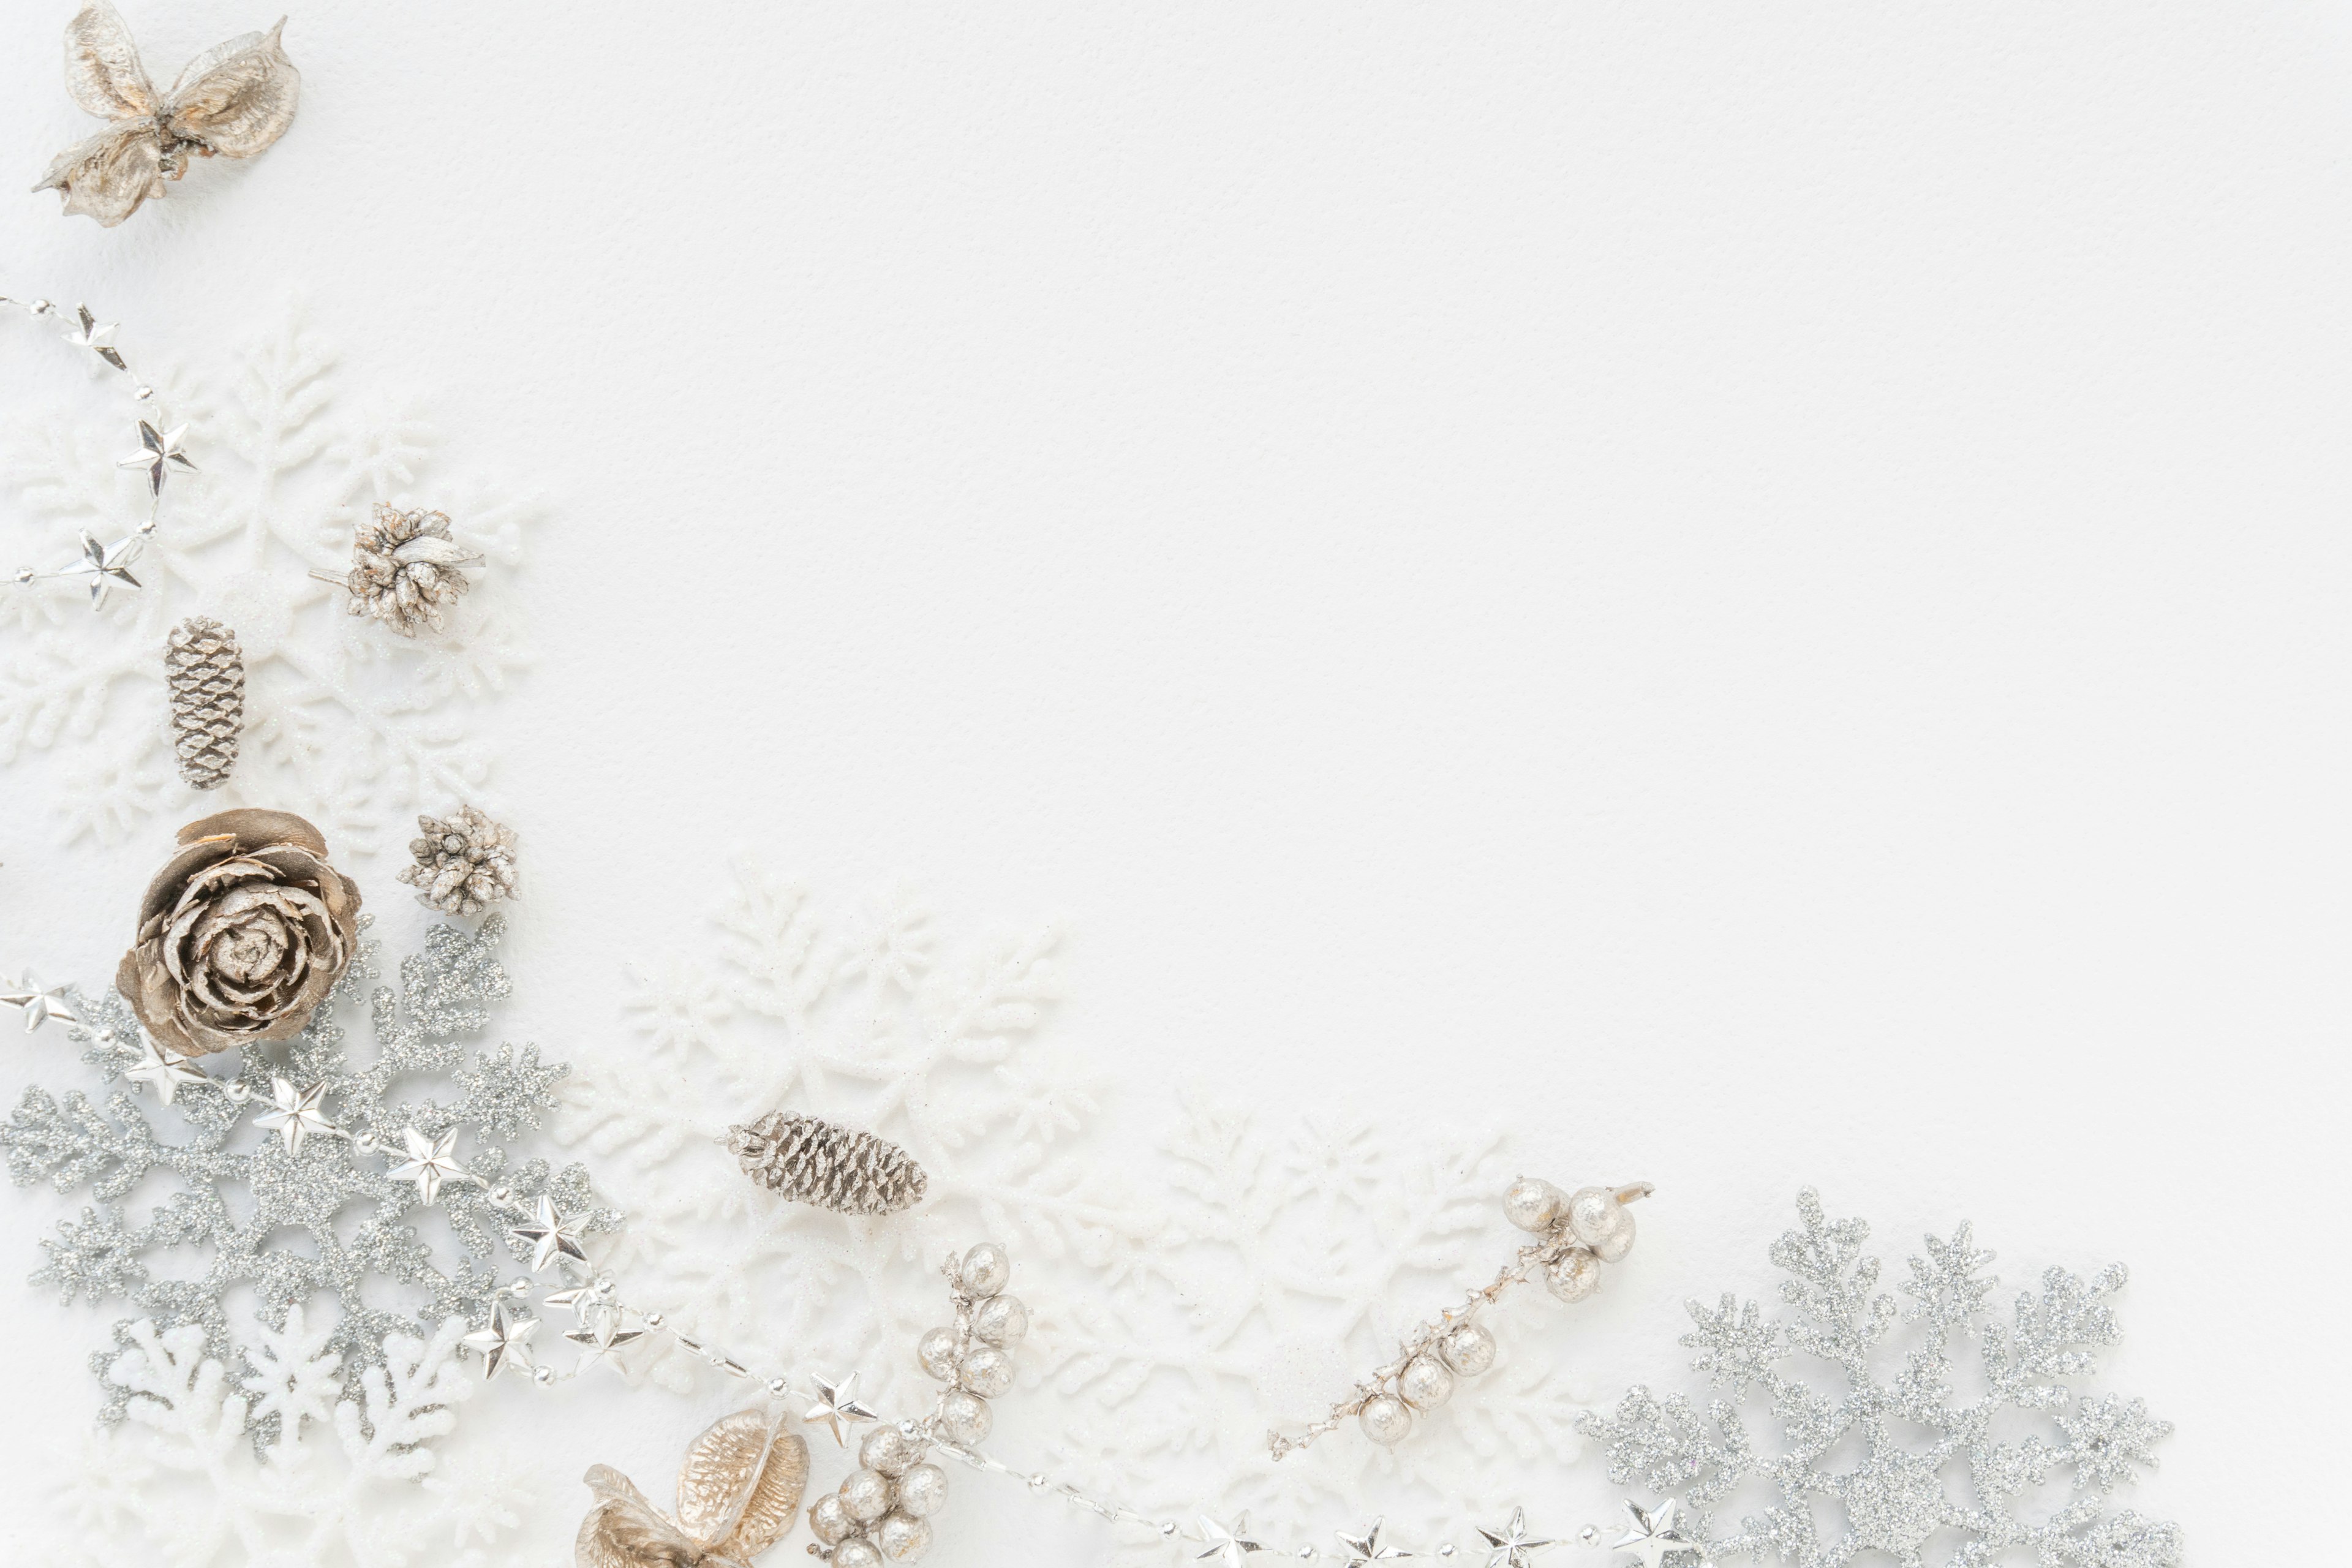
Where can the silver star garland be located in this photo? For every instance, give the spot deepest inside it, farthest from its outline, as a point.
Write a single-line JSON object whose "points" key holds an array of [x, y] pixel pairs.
{"points": [[340, 1139]]}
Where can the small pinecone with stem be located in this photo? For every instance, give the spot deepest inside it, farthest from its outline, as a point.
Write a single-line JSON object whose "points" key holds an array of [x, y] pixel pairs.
{"points": [[404, 569], [205, 672], [812, 1160], [464, 863]]}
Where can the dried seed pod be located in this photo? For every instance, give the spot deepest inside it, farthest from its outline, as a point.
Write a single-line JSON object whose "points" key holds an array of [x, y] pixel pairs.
{"points": [[404, 569], [205, 670], [812, 1160], [464, 863]]}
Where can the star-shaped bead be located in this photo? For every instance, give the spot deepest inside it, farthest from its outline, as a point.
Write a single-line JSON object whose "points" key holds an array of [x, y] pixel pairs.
{"points": [[583, 1301], [431, 1161], [1230, 1547], [601, 1340], [550, 1236], [1650, 1534], [1512, 1546], [108, 566], [297, 1115], [158, 449], [164, 1071], [1367, 1548], [97, 337], [40, 1006], [505, 1340], [838, 1406]]}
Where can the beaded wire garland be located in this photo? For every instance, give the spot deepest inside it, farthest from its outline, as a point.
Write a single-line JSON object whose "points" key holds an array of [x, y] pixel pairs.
{"points": [[162, 453]]}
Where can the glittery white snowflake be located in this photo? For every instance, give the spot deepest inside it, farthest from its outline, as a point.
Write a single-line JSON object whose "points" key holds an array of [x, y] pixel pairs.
{"points": [[349, 726], [353, 1478], [1184, 1297], [1906, 1462], [240, 1194]]}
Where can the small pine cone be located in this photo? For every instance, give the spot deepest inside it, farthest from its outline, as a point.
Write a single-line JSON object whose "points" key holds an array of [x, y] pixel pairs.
{"points": [[205, 672], [404, 569], [838, 1168], [464, 864]]}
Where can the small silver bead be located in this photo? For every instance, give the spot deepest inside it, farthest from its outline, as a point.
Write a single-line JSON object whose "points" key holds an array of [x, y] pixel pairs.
{"points": [[1166, 1532], [1000, 1320], [778, 1387], [1308, 1555], [40, 306], [542, 1375], [856, 1553], [143, 394], [964, 1417], [501, 1197], [829, 1520], [26, 575], [147, 527], [1590, 1535], [888, 1451], [1467, 1349], [519, 1289], [1446, 1550], [902, 1538], [653, 1320], [985, 1270], [603, 1285], [1385, 1419]]}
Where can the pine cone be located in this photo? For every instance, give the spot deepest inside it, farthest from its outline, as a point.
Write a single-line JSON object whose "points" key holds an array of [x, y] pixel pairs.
{"points": [[205, 672], [464, 864], [838, 1168], [404, 569]]}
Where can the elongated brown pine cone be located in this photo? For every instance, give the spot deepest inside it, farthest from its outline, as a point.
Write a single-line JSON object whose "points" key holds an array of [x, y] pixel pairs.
{"points": [[243, 933], [812, 1160], [206, 671]]}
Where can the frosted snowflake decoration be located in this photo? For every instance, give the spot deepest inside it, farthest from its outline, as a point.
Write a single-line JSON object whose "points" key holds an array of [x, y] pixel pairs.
{"points": [[289, 1178], [345, 725], [1183, 1298], [351, 1478], [1963, 1489]]}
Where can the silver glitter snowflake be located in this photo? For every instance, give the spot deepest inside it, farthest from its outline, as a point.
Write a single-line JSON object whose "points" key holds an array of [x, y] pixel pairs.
{"points": [[1906, 1457], [301, 1178]]}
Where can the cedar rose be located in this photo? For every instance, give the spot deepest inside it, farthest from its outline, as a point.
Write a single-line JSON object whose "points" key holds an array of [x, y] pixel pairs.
{"points": [[243, 933]]}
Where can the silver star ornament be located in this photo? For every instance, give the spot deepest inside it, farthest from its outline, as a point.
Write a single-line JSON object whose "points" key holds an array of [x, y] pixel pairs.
{"points": [[40, 1006], [108, 566], [550, 1236], [1651, 1533], [97, 337], [506, 1339], [600, 1341], [166, 1071], [158, 449], [1367, 1548], [837, 1406], [1230, 1547], [431, 1161], [1512, 1546], [296, 1116]]}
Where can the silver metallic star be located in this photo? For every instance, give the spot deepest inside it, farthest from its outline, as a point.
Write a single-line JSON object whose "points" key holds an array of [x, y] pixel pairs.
{"points": [[1367, 1548], [38, 1005], [96, 337], [1230, 1548], [163, 1070], [158, 449], [597, 1342], [107, 565], [506, 1339], [297, 1115], [430, 1161], [1649, 1533], [550, 1236], [582, 1301], [838, 1406], [1512, 1546]]}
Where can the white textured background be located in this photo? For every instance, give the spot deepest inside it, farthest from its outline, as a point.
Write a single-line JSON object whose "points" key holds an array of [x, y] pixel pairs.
{"points": [[1758, 593]]}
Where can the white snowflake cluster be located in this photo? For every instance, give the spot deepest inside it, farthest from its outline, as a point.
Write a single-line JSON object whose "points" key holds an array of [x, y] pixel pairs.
{"points": [[1908, 1460], [349, 727]]}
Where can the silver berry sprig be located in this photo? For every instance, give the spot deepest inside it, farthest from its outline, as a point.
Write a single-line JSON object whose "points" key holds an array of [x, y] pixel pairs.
{"points": [[162, 453], [1576, 1233]]}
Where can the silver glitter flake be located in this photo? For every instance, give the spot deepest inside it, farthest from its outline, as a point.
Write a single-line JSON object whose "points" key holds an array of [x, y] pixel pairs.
{"points": [[329, 1213], [1914, 1470]]}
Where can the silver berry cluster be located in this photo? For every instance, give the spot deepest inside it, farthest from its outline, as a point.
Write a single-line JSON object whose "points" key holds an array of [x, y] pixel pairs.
{"points": [[1575, 1233], [882, 1513]]}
